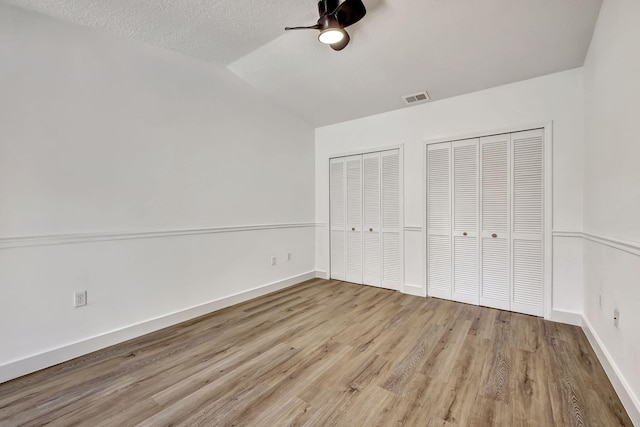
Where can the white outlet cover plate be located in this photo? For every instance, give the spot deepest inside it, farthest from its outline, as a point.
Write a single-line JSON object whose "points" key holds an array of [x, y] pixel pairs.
{"points": [[80, 299]]}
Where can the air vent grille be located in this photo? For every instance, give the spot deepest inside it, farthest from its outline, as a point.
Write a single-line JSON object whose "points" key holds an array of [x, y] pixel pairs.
{"points": [[416, 98]]}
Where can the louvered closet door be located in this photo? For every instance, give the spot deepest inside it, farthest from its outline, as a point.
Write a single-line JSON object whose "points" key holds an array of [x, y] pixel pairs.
{"points": [[439, 220], [465, 222], [527, 160], [337, 210], [392, 221], [372, 245], [495, 285], [354, 219]]}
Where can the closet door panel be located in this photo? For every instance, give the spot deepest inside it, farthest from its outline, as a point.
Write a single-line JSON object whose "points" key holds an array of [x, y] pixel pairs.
{"points": [[392, 221], [391, 211], [528, 198], [439, 262], [527, 183], [438, 188], [465, 185], [354, 219], [337, 212], [465, 269], [495, 273], [337, 255], [372, 258], [439, 266], [354, 257], [371, 220], [392, 264], [465, 221], [495, 283], [527, 277]]}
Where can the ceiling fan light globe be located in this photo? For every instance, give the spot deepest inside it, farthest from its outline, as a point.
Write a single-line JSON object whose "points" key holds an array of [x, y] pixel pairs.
{"points": [[331, 36]]}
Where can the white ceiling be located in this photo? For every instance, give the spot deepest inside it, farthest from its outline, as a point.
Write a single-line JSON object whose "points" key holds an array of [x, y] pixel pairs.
{"points": [[446, 47]]}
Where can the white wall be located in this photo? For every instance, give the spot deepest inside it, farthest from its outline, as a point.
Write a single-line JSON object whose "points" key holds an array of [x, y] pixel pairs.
{"points": [[101, 136], [105, 135], [557, 97], [612, 190]]}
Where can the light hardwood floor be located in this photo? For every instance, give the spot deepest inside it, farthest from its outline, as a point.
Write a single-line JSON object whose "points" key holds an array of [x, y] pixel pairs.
{"points": [[330, 353]]}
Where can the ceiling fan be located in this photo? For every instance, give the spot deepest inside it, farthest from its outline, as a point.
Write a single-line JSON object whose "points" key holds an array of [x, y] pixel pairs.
{"points": [[334, 18]]}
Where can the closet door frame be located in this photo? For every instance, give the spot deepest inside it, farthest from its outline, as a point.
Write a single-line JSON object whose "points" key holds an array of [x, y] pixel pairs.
{"points": [[400, 148], [547, 207]]}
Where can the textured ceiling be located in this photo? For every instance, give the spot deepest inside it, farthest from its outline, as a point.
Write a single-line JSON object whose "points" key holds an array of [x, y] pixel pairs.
{"points": [[214, 30], [447, 47]]}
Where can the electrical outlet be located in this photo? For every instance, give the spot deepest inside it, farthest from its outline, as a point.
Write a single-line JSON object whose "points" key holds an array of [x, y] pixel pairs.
{"points": [[273, 260], [80, 299], [616, 317], [289, 256]]}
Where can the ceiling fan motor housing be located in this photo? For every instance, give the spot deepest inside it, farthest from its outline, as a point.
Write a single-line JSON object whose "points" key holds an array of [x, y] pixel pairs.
{"points": [[328, 21]]}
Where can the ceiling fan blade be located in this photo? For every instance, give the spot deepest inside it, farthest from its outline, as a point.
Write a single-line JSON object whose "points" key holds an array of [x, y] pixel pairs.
{"points": [[349, 12], [327, 6], [310, 27], [342, 43]]}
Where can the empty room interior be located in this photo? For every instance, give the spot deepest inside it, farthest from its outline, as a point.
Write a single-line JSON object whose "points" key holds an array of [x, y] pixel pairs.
{"points": [[394, 212]]}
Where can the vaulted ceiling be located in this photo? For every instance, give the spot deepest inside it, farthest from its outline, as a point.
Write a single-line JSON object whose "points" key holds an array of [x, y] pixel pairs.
{"points": [[446, 47]]}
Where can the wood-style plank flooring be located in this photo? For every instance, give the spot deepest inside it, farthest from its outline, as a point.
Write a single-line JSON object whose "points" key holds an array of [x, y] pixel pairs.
{"points": [[330, 353]]}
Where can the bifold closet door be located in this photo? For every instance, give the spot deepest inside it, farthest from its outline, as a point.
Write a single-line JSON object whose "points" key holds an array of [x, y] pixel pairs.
{"points": [[495, 285], [452, 221], [527, 230], [354, 219], [337, 212], [439, 220], [485, 212], [381, 219], [366, 219], [464, 233]]}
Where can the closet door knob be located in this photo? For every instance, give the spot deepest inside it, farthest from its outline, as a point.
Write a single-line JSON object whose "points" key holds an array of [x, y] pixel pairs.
{"points": [[353, 229], [494, 235], [371, 229], [464, 234]]}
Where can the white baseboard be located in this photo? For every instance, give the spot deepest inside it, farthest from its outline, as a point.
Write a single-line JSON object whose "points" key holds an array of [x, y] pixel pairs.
{"points": [[52, 357], [628, 399], [416, 290], [567, 317], [322, 274]]}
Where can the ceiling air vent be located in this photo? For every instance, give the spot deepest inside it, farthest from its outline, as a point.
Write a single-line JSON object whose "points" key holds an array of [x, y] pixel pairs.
{"points": [[416, 98]]}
